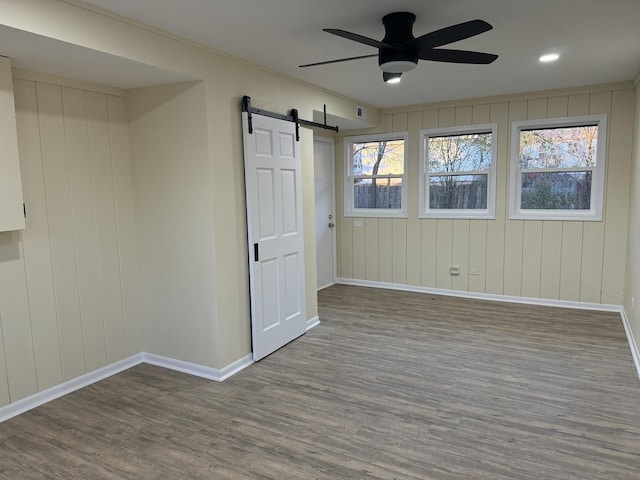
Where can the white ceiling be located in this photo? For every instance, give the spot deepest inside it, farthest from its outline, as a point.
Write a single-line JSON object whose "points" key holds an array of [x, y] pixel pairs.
{"points": [[599, 41]]}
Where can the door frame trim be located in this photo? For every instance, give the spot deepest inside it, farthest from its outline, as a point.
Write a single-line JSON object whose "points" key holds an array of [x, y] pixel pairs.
{"points": [[331, 142]]}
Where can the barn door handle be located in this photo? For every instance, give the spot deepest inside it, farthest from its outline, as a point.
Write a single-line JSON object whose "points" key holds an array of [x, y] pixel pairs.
{"points": [[255, 252]]}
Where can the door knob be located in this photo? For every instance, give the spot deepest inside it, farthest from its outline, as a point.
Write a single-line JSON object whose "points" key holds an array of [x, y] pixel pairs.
{"points": [[331, 225]]}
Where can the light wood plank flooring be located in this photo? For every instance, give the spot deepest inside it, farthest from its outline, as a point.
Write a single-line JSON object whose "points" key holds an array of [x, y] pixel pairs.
{"points": [[391, 385]]}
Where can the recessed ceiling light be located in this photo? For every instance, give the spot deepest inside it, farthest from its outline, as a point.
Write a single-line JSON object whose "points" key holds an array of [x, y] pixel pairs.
{"points": [[549, 57]]}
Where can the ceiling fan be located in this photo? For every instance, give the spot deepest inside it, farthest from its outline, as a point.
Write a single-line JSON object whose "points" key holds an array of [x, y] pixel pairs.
{"points": [[399, 51]]}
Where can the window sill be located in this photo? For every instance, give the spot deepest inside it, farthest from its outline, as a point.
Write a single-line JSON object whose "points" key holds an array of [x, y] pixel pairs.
{"points": [[376, 214], [459, 215], [560, 216]]}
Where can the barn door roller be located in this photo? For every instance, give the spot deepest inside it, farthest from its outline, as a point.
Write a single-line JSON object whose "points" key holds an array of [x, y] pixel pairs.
{"points": [[292, 116]]}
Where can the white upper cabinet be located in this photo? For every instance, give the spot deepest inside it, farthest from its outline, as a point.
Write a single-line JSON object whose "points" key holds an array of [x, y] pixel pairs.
{"points": [[11, 207]]}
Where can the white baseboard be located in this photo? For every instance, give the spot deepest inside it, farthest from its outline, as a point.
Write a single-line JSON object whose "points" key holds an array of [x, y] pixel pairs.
{"points": [[633, 346], [40, 398], [199, 370], [602, 307], [313, 322]]}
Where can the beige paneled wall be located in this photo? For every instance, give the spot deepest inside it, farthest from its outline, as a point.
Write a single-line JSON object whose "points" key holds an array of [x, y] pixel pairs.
{"points": [[632, 286], [566, 260], [68, 282]]}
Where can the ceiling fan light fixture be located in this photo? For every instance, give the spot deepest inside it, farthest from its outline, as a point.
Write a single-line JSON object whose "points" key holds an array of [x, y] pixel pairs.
{"points": [[391, 77], [397, 66]]}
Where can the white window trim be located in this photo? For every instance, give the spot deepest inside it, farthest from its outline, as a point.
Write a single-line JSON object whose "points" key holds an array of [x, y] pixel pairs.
{"points": [[423, 195], [349, 210], [597, 182]]}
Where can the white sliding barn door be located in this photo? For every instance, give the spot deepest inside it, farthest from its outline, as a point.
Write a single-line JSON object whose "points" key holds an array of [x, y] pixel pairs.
{"points": [[274, 223]]}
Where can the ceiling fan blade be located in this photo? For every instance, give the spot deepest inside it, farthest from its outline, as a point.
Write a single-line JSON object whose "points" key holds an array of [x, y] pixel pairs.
{"points": [[337, 61], [458, 56], [356, 38], [452, 34]]}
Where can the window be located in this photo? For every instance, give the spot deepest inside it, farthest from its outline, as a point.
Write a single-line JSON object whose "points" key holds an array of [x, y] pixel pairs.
{"points": [[375, 183], [457, 172], [557, 168]]}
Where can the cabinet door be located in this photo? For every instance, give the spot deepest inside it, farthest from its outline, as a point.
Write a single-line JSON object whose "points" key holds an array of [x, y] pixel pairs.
{"points": [[11, 208]]}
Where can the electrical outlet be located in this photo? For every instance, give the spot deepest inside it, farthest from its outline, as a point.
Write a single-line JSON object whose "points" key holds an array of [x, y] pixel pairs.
{"points": [[454, 270], [357, 223]]}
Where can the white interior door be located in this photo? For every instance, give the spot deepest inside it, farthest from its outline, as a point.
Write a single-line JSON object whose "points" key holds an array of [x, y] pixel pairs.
{"points": [[274, 223], [325, 211]]}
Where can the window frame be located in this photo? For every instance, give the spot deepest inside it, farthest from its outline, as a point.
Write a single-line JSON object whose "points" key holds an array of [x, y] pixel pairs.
{"points": [[594, 214], [349, 210], [423, 194]]}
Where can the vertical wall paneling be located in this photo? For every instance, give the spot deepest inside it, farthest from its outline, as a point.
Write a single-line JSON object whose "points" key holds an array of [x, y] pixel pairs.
{"points": [[566, 260], [570, 261], [477, 255], [578, 104], [444, 228], [371, 249], [460, 247], [84, 220], [446, 117], [532, 233], [346, 248], [388, 123], [428, 227], [399, 257], [399, 122], [557, 106], [593, 238], [430, 118], [14, 315], [591, 262], [62, 278], [494, 274], [109, 257], [531, 258], [428, 253], [513, 240], [617, 187], [61, 228], [478, 228], [5, 399], [551, 260], [36, 241], [414, 252], [119, 138], [464, 115], [385, 249], [571, 257], [481, 114], [536, 108], [460, 254], [359, 248], [444, 241], [513, 252]]}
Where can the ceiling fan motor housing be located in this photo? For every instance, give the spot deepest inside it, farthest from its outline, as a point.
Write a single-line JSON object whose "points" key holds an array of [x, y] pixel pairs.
{"points": [[398, 34]]}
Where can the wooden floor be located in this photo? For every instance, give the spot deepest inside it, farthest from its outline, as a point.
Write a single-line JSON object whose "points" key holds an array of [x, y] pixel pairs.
{"points": [[391, 385]]}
